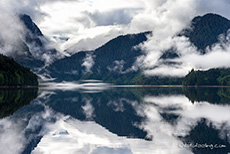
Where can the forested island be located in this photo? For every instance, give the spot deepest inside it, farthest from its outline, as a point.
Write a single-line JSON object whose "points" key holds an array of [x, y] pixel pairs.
{"points": [[13, 74]]}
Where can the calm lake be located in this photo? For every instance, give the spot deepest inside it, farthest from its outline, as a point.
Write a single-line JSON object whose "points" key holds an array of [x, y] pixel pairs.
{"points": [[115, 120]]}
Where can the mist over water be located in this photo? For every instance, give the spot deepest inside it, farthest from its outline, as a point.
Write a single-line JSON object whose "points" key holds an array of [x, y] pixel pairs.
{"points": [[118, 120]]}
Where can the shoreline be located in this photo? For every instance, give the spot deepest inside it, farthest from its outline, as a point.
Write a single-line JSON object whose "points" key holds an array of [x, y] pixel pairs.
{"points": [[172, 86]]}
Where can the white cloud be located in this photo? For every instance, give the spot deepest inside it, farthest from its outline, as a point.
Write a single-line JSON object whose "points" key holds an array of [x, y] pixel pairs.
{"points": [[211, 60], [164, 70], [9, 33], [216, 57], [91, 39], [88, 62], [79, 15]]}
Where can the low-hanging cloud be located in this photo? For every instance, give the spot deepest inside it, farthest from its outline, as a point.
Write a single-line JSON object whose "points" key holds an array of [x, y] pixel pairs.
{"points": [[9, 33], [88, 62], [189, 58], [98, 36]]}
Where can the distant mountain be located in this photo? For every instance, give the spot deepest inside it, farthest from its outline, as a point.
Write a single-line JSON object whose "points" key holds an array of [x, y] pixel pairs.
{"points": [[12, 74], [115, 61]]}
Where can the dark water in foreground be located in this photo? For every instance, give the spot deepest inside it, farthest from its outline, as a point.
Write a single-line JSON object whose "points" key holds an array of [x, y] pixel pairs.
{"points": [[115, 120]]}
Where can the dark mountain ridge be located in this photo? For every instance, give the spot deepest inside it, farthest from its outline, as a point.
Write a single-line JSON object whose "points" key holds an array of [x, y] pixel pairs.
{"points": [[110, 60], [33, 32], [205, 30], [37, 42]]}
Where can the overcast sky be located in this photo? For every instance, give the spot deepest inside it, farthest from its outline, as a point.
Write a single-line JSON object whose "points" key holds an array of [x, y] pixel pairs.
{"points": [[105, 19]]}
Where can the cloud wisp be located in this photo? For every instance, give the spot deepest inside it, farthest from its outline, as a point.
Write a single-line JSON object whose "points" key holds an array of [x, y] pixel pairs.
{"points": [[190, 58]]}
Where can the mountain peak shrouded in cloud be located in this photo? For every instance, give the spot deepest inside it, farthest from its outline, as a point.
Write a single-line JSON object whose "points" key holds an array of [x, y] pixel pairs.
{"points": [[205, 30], [30, 25], [29, 47], [203, 44], [32, 33]]}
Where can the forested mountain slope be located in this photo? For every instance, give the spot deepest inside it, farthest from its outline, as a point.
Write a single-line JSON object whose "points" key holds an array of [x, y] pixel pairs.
{"points": [[12, 74]]}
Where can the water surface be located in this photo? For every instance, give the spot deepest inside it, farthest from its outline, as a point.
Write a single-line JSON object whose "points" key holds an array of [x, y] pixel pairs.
{"points": [[93, 120]]}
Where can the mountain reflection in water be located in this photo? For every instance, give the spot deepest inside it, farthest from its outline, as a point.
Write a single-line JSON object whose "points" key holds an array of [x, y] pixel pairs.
{"points": [[117, 120]]}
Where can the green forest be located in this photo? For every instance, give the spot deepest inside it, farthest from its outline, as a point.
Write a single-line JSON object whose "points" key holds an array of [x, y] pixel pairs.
{"points": [[215, 76], [13, 74]]}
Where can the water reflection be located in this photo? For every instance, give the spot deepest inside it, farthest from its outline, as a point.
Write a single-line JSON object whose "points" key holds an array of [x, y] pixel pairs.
{"points": [[13, 99], [212, 95], [120, 120], [114, 109]]}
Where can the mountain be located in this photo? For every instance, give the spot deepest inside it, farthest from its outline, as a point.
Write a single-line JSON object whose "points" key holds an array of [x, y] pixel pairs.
{"points": [[20, 48], [205, 30], [115, 61], [38, 43], [13, 74], [31, 26], [30, 48], [35, 39], [111, 60]]}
